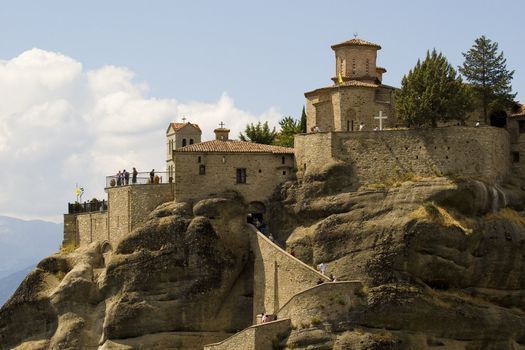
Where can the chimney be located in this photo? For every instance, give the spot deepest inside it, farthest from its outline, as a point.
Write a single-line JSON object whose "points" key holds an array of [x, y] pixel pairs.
{"points": [[221, 134]]}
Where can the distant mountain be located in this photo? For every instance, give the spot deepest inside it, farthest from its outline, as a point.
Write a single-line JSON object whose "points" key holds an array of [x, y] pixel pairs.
{"points": [[24, 243], [9, 284]]}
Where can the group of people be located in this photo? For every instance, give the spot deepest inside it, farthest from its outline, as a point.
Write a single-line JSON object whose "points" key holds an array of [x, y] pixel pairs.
{"points": [[123, 177]]}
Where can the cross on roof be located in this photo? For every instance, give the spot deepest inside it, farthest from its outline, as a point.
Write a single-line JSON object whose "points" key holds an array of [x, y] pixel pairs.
{"points": [[381, 117], [355, 35], [221, 125]]}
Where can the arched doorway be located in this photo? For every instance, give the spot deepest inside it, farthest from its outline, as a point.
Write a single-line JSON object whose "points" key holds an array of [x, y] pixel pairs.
{"points": [[256, 211], [498, 119]]}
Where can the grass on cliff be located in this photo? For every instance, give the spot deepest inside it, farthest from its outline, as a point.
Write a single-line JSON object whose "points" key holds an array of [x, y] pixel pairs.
{"points": [[507, 214], [67, 248], [395, 181], [431, 212]]}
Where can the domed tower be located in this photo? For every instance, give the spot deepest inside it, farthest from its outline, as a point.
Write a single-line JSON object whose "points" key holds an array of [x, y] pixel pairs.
{"points": [[355, 60], [358, 100]]}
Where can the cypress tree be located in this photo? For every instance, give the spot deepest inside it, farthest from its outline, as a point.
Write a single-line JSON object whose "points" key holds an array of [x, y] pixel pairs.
{"points": [[303, 122], [486, 70]]}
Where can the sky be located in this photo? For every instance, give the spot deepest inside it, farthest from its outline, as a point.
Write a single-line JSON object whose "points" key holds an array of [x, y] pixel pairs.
{"points": [[88, 88]]}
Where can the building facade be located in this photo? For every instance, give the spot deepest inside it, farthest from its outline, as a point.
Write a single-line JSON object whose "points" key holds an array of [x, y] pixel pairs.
{"points": [[357, 95], [180, 135]]}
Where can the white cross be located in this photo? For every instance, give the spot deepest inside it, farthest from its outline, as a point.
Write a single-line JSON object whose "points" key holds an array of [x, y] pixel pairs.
{"points": [[381, 117]]}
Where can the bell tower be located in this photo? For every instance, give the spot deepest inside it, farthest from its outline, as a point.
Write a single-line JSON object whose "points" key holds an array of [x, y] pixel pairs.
{"points": [[355, 60]]}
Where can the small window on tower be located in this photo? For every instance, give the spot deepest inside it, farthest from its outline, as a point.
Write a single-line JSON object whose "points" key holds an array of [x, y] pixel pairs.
{"points": [[191, 141], [183, 142], [515, 157], [283, 160], [353, 66], [367, 65], [199, 159], [202, 169]]}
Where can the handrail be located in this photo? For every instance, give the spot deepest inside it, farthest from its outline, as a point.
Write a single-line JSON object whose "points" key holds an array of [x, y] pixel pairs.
{"points": [[288, 254], [247, 328], [322, 285], [143, 177]]}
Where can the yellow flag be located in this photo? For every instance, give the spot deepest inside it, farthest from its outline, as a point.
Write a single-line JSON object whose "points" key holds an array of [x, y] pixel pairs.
{"points": [[77, 191], [340, 78]]}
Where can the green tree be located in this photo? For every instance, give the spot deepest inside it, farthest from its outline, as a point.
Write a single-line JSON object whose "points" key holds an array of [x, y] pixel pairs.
{"points": [[303, 121], [487, 71], [258, 133], [289, 127], [431, 92]]}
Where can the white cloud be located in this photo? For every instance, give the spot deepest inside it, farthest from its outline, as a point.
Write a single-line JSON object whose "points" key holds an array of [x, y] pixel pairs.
{"points": [[61, 125]]}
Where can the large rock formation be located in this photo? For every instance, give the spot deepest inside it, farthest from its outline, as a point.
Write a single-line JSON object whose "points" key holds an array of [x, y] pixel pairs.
{"points": [[179, 281], [441, 261]]}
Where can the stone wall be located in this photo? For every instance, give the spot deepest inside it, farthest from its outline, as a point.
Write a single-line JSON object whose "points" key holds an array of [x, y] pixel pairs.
{"points": [[344, 108], [460, 152], [92, 227], [70, 230], [327, 301], [278, 276], [258, 337], [263, 173], [128, 206]]}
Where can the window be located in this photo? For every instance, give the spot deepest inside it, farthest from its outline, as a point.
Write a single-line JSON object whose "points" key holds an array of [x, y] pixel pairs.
{"points": [[183, 142], [515, 157], [202, 169], [241, 175], [367, 65], [199, 159], [284, 172], [283, 160], [521, 124], [191, 141]]}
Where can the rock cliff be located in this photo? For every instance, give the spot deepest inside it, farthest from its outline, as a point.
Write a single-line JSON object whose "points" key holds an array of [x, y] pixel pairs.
{"points": [[441, 261]]}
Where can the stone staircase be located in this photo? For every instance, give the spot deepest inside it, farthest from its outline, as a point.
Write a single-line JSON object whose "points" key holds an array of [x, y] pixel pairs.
{"points": [[287, 288]]}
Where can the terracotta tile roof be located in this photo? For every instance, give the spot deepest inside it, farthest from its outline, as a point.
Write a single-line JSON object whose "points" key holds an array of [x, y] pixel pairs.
{"points": [[520, 112], [348, 83], [356, 42], [358, 83], [178, 126], [234, 146]]}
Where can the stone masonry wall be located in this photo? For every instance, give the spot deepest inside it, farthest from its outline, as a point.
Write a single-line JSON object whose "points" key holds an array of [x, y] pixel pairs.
{"points": [[277, 275], [331, 300], [461, 152], [263, 173], [128, 206], [258, 337], [70, 230], [92, 227]]}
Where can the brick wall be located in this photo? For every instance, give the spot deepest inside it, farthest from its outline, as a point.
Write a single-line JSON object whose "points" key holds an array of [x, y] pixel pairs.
{"points": [[277, 275], [480, 153]]}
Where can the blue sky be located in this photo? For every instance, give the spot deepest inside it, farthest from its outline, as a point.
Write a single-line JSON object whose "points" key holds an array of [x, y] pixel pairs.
{"points": [[107, 76], [262, 53]]}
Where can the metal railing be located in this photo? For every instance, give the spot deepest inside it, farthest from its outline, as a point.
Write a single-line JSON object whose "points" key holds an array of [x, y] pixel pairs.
{"points": [[87, 207], [142, 178]]}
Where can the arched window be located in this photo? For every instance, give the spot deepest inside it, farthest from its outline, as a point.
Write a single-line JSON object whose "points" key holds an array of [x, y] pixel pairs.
{"points": [[191, 141], [183, 142], [283, 160]]}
